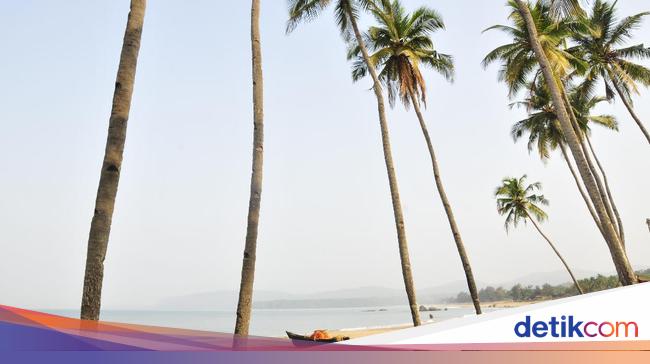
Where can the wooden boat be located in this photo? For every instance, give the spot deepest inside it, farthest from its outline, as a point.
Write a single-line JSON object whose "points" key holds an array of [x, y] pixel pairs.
{"points": [[306, 339]]}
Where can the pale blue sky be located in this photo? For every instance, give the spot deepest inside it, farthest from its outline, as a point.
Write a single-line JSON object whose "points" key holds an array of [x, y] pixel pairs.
{"points": [[181, 210]]}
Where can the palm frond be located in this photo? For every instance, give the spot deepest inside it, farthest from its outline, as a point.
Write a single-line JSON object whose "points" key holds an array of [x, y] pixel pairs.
{"points": [[565, 8], [304, 11], [402, 43], [516, 201]]}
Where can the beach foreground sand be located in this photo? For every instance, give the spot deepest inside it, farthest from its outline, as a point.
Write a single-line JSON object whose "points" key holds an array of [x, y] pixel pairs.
{"points": [[357, 333]]}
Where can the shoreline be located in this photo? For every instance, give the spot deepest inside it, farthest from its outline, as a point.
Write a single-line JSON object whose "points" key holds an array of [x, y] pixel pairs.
{"points": [[355, 333]]}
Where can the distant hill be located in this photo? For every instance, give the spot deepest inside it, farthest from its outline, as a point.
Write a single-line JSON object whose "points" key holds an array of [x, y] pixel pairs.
{"points": [[355, 293], [215, 300], [355, 297]]}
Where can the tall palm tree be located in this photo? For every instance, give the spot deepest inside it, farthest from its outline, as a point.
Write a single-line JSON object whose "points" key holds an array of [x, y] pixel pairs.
{"points": [[244, 304], [543, 128], [347, 12], [399, 45], [518, 202], [599, 43], [523, 14], [100, 226], [520, 63]]}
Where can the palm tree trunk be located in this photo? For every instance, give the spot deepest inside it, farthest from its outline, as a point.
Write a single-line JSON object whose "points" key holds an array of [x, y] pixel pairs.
{"points": [[575, 281], [599, 184], [254, 202], [392, 178], [592, 212], [100, 227], [619, 221], [630, 109], [467, 267], [623, 267]]}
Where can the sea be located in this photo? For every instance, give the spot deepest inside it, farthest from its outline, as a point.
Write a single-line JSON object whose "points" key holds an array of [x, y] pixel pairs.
{"points": [[274, 322]]}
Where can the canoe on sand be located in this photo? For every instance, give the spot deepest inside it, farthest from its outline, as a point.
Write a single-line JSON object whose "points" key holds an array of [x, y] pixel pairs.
{"points": [[335, 339]]}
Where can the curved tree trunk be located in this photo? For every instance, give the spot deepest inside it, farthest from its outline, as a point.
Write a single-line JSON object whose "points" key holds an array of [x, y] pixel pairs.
{"points": [[630, 109], [392, 178], [467, 267], [254, 202], [619, 221], [575, 281], [581, 138], [592, 212], [100, 226], [626, 274]]}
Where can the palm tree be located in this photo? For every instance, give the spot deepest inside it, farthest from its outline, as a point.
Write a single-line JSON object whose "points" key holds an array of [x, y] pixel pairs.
{"points": [[599, 43], [519, 62], [518, 203], [248, 265], [523, 15], [544, 132], [400, 45], [347, 12], [100, 226]]}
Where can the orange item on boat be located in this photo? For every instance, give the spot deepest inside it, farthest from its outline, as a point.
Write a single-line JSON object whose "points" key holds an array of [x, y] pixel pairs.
{"points": [[320, 335]]}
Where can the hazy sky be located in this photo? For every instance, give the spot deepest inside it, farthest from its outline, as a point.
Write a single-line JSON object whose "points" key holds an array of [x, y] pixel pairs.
{"points": [[180, 218]]}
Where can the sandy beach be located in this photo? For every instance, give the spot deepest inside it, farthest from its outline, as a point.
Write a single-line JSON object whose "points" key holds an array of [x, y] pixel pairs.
{"points": [[362, 332], [357, 333]]}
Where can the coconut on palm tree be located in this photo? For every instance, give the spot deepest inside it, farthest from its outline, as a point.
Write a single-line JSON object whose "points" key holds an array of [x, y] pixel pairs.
{"points": [[346, 13], [601, 43], [244, 304], [100, 227], [399, 46], [518, 202], [537, 44]]}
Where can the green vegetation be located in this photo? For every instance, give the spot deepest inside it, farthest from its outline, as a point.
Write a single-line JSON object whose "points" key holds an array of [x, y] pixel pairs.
{"points": [[519, 293], [600, 42]]}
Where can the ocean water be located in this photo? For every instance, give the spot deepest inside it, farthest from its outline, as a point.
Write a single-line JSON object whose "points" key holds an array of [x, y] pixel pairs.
{"points": [[274, 322]]}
